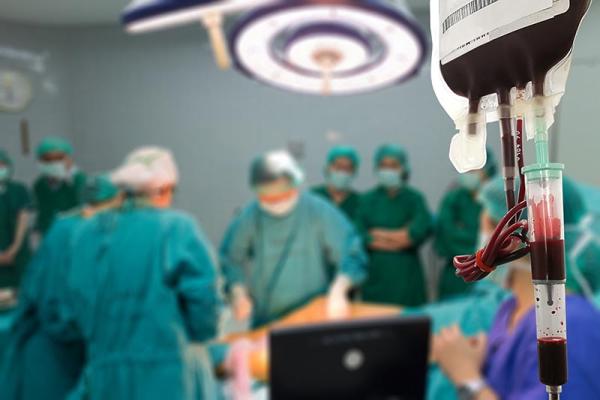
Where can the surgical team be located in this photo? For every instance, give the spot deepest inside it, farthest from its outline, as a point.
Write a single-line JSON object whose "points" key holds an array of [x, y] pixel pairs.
{"points": [[119, 295]]}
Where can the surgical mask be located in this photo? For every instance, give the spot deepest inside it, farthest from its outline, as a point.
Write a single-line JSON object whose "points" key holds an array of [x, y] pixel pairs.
{"points": [[339, 179], [389, 178], [54, 169], [280, 208], [470, 181], [4, 174]]}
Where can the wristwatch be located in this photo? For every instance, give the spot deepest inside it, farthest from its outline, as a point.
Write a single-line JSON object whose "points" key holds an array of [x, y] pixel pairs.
{"points": [[470, 389]]}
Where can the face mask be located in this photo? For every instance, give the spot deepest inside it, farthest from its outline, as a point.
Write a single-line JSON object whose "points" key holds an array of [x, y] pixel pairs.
{"points": [[389, 178], [4, 174], [54, 169], [280, 208], [339, 180], [470, 181]]}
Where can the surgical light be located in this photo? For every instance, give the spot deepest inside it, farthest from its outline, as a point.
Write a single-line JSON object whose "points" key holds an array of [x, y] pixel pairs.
{"points": [[329, 47]]}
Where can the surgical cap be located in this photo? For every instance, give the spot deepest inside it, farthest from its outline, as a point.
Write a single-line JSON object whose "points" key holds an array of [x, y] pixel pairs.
{"points": [[493, 199], [54, 145], [343, 151], [582, 243], [99, 189], [591, 196], [491, 166], [5, 158], [575, 206], [274, 165], [147, 169], [396, 152]]}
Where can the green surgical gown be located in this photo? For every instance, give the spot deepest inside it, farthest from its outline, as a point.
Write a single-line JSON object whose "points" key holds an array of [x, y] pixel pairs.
{"points": [[41, 362], [456, 233], [141, 288], [284, 261], [395, 277], [14, 198], [52, 198], [348, 206]]}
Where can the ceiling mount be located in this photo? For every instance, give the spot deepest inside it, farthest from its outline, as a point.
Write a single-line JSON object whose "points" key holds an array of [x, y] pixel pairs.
{"points": [[151, 15]]}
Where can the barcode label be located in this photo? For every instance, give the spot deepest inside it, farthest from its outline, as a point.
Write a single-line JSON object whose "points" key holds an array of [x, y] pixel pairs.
{"points": [[465, 11], [464, 25]]}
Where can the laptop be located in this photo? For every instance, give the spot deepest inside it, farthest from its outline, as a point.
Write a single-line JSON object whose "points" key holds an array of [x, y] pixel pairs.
{"points": [[379, 359]]}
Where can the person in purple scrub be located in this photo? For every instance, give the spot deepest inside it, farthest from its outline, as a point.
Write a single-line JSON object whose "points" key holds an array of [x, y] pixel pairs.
{"points": [[504, 363]]}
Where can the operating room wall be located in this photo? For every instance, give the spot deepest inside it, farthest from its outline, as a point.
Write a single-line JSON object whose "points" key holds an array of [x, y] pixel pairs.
{"points": [[164, 89], [116, 92], [578, 117], [48, 113]]}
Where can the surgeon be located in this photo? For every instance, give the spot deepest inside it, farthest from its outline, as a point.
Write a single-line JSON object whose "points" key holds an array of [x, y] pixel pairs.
{"points": [[341, 169], [503, 363], [276, 254], [394, 221], [41, 362], [141, 287], [60, 183], [457, 226], [15, 204]]}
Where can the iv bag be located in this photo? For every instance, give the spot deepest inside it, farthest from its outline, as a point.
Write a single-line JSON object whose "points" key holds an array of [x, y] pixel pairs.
{"points": [[465, 49], [457, 107]]}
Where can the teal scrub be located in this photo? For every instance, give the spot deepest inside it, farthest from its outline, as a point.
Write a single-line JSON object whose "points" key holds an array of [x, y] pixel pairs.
{"points": [[140, 289], [53, 197], [456, 233], [14, 198], [283, 261], [473, 312], [395, 277], [42, 362], [350, 204]]}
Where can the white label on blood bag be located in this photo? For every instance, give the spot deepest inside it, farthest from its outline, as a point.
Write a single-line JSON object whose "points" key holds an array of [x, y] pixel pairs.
{"points": [[468, 24]]}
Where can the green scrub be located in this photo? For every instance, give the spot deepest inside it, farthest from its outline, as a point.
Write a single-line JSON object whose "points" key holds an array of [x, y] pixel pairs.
{"points": [[348, 206], [140, 289], [456, 233], [395, 277], [14, 198], [285, 261], [52, 198], [41, 361]]}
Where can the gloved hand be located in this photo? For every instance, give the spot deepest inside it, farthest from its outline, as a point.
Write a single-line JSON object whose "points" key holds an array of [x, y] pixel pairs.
{"points": [[338, 305], [242, 303]]}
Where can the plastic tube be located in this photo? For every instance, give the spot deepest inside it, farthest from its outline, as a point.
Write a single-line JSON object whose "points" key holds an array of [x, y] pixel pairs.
{"points": [[544, 182]]}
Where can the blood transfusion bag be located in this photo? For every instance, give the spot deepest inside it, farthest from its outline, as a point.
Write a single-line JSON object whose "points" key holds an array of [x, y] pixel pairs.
{"points": [[507, 45], [508, 60]]}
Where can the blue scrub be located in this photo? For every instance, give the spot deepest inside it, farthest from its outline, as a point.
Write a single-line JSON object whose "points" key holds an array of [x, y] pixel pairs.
{"points": [[473, 312], [286, 261], [141, 287], [511, 367], [40, 364]]}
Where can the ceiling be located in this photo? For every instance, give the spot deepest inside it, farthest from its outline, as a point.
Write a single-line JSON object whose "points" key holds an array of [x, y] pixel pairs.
{"points": [[83, 12]]}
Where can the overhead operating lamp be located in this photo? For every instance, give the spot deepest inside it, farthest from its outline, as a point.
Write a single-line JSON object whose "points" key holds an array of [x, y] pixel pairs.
{"points": [[150, 15], [329, 47]]}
